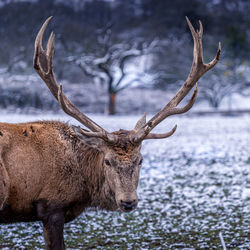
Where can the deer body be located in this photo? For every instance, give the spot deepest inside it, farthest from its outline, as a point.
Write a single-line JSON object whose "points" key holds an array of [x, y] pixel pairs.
{"points": [[52, 171], [46, 164], [37, 159]]}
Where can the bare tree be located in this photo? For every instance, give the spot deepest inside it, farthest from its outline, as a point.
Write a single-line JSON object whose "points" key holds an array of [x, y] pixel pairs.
{"points": [[113, 63], [228, 78]]}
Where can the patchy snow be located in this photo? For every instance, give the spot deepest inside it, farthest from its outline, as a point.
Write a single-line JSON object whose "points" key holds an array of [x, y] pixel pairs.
{"points": [[193, 185]]}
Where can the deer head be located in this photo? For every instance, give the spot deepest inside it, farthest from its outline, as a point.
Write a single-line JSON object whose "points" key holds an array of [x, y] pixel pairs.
{"points": [[121, 149]]}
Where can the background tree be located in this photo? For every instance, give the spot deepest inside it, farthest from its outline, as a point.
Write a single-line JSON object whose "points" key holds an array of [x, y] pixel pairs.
{"points": [[227, 79], [113, 64]]}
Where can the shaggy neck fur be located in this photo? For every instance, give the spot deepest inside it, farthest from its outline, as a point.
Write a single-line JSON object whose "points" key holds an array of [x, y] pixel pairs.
{"points": [[99, 192]]}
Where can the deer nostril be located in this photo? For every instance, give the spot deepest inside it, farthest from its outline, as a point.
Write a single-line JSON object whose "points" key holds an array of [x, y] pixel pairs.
{"points": [[128, 205]]}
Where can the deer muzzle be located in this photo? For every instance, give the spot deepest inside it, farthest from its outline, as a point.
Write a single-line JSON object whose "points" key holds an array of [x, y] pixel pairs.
{"points": [[127, 202]]}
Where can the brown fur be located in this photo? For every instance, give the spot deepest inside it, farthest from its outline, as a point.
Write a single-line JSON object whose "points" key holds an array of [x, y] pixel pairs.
{"points": [[48, 173]]}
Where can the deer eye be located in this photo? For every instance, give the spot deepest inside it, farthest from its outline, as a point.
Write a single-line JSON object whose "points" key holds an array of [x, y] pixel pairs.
{"points": [[107, 162], [140, 162]]}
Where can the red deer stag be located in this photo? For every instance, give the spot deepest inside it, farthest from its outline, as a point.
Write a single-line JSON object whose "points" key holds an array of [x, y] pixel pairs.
{"points": [[52, 171]]}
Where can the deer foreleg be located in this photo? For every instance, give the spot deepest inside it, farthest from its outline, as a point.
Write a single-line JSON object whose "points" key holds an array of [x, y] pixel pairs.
{"points": [[53, 222], [53, 231]]}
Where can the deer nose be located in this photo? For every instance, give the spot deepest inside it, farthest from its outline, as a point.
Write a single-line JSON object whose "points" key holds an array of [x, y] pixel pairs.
{"points": [[128, 205]]}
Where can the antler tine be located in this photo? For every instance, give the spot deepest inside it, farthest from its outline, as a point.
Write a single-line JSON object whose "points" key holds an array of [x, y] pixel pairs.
{"points": [[38, 44], [216, 58], [50, 51], [39, 37], [197, 70], [189, 105], [161, 136], [197, 51], [43, 65]]}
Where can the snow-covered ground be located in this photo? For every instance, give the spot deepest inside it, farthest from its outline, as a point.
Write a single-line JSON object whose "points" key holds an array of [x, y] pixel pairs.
{"points": [[193, 186]]}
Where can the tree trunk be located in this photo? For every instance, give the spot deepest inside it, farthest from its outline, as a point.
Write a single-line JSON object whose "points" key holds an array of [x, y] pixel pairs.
{"points": [[111, 107]]}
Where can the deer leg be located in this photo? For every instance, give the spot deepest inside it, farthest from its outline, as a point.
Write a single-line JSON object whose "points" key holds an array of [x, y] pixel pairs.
{"points": [[53, 222], [53, 231], [4, 185]]}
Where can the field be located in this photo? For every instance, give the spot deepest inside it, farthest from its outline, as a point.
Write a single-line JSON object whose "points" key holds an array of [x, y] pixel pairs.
{"points": [[193, 186]]}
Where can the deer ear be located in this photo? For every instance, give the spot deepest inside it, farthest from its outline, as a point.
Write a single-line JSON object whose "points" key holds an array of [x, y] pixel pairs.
{"points": [[91, 141]]}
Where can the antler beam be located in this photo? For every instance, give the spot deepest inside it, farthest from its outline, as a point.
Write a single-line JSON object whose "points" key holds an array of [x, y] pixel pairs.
{"points": [[198, 69], [43, 65]]}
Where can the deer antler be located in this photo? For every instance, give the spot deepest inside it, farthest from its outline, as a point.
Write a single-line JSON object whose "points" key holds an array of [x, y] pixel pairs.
{"points": [[43, 65], [197, 70]]}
